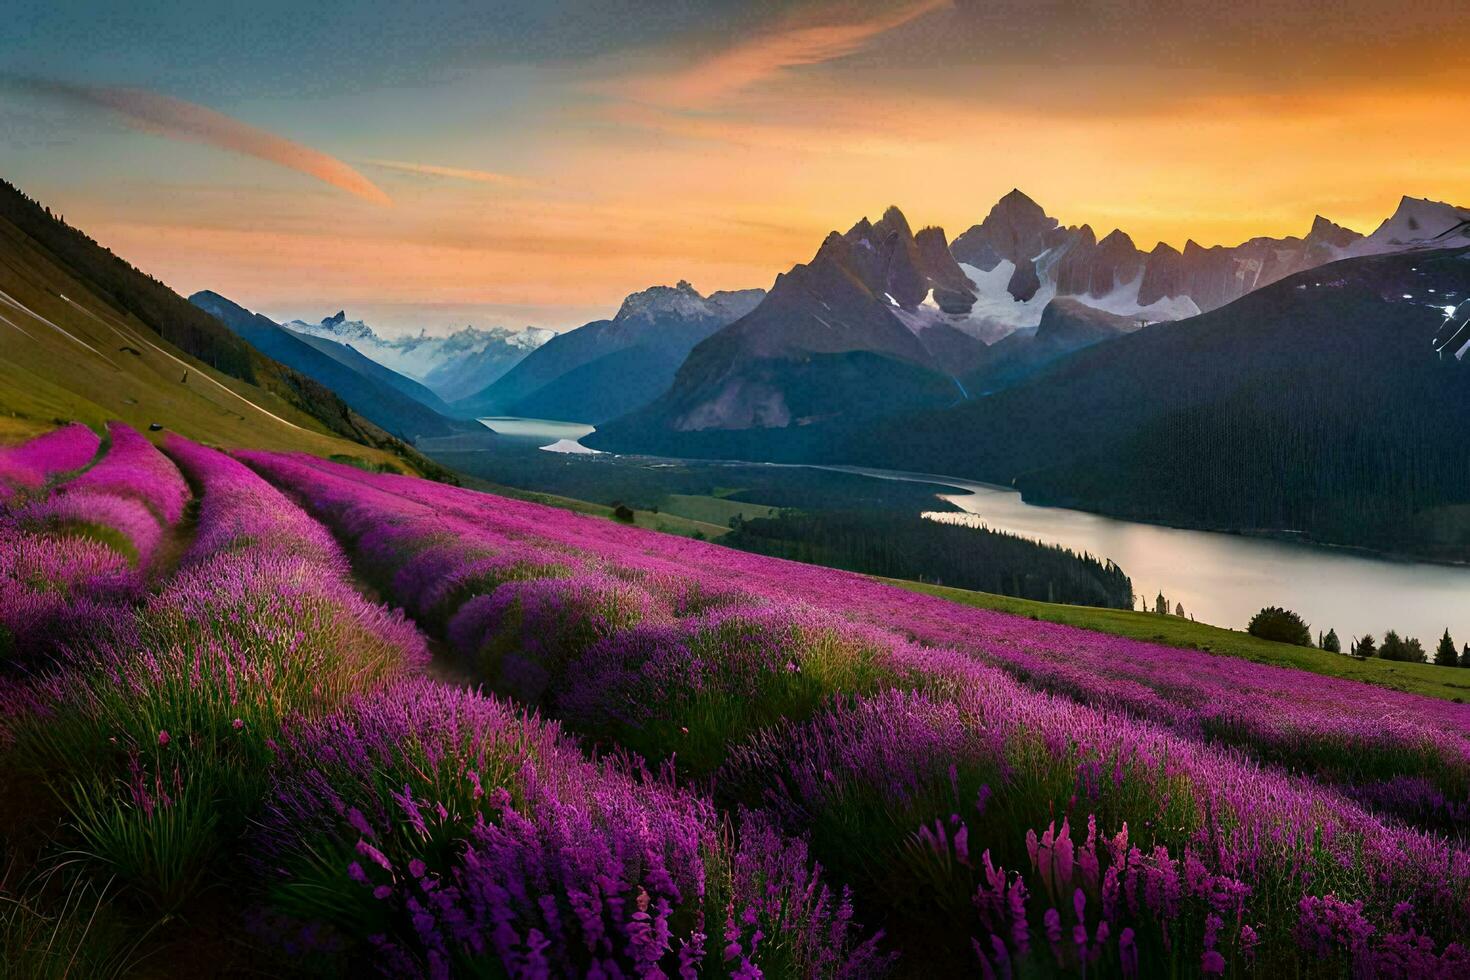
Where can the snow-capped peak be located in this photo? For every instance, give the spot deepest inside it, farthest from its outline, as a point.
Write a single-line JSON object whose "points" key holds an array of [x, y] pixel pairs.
{"points": [[1420, 222], [337, 327], [419, 355]]}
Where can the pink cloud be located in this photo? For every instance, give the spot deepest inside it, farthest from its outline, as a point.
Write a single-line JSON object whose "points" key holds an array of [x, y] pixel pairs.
{"points": [[769, 53], [454, 173], [177, 119]]}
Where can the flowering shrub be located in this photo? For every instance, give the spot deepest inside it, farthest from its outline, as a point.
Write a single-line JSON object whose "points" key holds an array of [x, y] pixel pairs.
{"points": [[59, 451], [132, 468], [887, 787], [239, 512], [522, 636], [696, 688], [941, 761], [1330, 928], [57, 593], [124, 499], [126, 524], [73, 561], [460, 835], [155, 737]]}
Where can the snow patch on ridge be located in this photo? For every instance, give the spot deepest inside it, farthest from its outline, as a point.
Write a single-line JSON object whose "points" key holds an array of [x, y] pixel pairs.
{"points": [[997, 313], [1123, 301]]}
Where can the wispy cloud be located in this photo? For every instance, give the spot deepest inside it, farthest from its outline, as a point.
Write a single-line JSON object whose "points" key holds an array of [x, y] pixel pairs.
{"points": [[453, 173], [840, 134], [177, 119], [790, 45]]}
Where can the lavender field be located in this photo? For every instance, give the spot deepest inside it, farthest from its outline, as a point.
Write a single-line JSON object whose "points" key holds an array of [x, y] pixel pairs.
{"points": [[262, 714]]}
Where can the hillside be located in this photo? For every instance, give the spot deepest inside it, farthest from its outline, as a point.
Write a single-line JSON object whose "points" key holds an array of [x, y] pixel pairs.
{"points": [[89, 337], [607, 368], [1428, 680]]}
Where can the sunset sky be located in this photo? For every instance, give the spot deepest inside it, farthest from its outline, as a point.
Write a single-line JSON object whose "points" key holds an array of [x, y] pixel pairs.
{"points": [[431, 164]]}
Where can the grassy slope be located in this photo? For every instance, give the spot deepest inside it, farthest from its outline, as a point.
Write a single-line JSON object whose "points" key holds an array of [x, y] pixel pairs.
{"points": [[47, 377], [713, 510], [1449, 683], [661, 521]]}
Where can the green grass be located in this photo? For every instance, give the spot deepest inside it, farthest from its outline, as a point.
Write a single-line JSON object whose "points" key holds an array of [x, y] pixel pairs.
{"points": [[667, 523], [1448, 683], [51, 930], [713, 509]]}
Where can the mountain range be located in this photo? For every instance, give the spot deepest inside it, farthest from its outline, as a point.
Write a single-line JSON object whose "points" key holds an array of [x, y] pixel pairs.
{"points": [[399, 405], [1334, 358], [970, 312], [607, 368], [453, 366], [1331, 403], [882, 319]]}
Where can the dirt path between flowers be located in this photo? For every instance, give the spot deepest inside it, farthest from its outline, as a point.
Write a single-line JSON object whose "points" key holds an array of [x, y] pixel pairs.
{"points": [[443, 665], [178, 537]]}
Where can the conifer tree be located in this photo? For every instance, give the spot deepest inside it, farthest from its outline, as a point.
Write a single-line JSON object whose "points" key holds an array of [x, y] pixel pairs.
{"points": [[1331, 643], [1444, 654], [1393, 646]]}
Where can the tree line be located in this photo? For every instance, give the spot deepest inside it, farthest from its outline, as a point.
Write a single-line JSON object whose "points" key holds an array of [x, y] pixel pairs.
{"points": [[1285, 626], [910, 547]]}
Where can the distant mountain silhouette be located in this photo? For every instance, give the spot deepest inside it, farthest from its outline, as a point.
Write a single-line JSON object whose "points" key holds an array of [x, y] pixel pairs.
{"points": [[363, 388], [452, 365], [610, 367]]}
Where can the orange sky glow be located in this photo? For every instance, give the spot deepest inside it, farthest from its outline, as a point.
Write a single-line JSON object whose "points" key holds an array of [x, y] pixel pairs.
{"points": [[724, 160]]}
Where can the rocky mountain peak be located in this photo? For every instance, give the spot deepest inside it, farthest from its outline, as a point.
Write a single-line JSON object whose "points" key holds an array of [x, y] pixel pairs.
{"points": [[680, 300], [860, 232], [1015, 230], [1017, 200], [892, 222], [1117, 238]]}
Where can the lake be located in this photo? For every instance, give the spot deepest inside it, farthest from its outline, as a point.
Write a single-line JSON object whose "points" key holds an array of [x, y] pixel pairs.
{"points": [[1225, 578]]}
